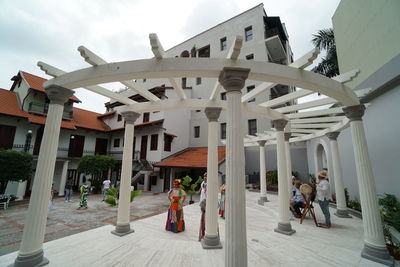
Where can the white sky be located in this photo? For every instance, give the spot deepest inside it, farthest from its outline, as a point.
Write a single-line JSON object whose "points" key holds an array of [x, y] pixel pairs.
{"points": [[51, 31]]}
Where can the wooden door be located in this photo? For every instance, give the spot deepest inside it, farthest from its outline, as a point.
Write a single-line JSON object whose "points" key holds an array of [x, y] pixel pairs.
{"points": [[7, 134], [101, 146], [143, 147], [38, 140]]}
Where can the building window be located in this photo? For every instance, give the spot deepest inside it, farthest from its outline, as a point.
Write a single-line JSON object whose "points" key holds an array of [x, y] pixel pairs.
{"points": [[101, 146], [146, 116], [119, 117], [196, 131], [223, 130], [250, 57], [248, 33], [250, 88], [198, 80], [184, 82], [116, 142], [252, 127], [154, 142], [167, 142], [205, 51], [223, 96], [222, 43]]}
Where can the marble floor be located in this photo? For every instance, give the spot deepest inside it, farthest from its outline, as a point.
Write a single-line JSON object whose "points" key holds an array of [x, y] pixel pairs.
{"points": [[151, 245]]}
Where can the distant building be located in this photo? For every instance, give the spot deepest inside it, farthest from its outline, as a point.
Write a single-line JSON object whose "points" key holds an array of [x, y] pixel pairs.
{"points": [[367, 36], [167, 144]]}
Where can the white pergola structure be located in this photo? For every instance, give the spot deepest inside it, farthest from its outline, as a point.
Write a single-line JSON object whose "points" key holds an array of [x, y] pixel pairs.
{"points": [[231, 74]]}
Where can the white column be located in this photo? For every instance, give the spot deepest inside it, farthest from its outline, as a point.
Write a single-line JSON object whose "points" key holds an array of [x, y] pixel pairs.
{"points": [[233, 79], [263, 174], [211, 237], [63, 178], [146, 181], [288, 163], [374, 242], [341, 208], [123, 218], [284, 226], [31, 250], [171, 177]]}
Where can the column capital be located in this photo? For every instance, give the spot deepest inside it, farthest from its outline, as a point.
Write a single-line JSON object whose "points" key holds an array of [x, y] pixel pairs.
{"points": [[261, 143], [58, 94], [212, 113], [354, 113], [287, 136], [233, 79], [130, 116], [333, 135], [280, 124]]}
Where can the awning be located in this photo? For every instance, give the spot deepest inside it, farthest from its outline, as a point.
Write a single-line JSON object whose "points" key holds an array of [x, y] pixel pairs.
{"points": [[191, 158]]}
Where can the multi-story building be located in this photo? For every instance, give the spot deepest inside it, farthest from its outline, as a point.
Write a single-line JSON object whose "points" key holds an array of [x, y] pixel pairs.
{"points": [[167, 143]]}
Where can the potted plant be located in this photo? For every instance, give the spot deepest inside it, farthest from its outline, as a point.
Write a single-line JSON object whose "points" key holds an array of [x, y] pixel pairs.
{"points": [[191, 188], [113, 196]]}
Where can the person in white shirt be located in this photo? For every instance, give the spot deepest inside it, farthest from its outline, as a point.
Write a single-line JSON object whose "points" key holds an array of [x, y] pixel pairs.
{"points": [[297, 201], [323, 192], [106, 187]]}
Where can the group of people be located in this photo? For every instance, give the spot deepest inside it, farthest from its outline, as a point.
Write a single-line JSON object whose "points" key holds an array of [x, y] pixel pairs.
{"points": [[175, 221], [298, 200]]}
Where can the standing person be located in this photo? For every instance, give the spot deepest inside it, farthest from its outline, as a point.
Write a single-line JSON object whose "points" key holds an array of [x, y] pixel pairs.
{"points": [[84, 189], [175, 222], [68, 189], [106, 187], [203, 199], [323, 198], [51, 198], [222, 201]]}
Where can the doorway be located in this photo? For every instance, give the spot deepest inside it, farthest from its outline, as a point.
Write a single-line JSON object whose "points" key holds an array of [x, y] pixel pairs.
{"points": [[143, 148]]}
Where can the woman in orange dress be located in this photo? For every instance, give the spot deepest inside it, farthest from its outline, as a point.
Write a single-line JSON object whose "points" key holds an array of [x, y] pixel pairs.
{"points": [[175, 221]]}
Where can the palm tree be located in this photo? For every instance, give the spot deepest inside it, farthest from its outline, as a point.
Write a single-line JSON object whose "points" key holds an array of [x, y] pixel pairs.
{"points": [[325, 40]]}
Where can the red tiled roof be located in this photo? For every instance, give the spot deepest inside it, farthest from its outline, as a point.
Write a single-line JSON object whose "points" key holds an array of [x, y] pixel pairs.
{"points": [[106, 114], [80, 118], [36, 83], [9, 104], [193, 157], [88, 119]]}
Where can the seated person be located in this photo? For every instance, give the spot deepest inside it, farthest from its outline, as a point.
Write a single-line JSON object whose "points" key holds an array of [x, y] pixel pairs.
{"points": [[297, 200]]}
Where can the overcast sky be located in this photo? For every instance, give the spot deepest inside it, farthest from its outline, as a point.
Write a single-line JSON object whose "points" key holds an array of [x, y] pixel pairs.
{"points": [[51, 31]]}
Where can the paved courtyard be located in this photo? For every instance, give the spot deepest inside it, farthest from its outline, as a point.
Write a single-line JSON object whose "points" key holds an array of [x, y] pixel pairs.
{"points": [[151, 245], [65, 220]]}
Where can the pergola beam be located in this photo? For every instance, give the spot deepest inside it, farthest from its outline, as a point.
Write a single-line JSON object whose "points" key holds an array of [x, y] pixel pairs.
{"points": [[95, 60], [286, 98], [310, 104], [316, 120], [315, 113], [55, 72], [233, 53], [311, 125], [159, 53], [300, 63]]}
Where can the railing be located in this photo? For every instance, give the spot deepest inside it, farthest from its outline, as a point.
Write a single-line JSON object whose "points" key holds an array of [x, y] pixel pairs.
{"points": [[67, 115], [36, 108]]}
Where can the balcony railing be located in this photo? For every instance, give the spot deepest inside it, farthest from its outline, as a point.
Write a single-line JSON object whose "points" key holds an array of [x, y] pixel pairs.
{"points": [[40, 108], [272, 32]]}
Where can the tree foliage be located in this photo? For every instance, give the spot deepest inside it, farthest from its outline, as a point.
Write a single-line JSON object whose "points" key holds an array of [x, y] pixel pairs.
{"points": [[95, 164], [325, 40], [14, 166], [190, 187]]}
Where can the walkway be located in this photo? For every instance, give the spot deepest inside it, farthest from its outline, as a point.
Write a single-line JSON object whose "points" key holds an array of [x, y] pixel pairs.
{"points": [[65, 220], [151, 245]]}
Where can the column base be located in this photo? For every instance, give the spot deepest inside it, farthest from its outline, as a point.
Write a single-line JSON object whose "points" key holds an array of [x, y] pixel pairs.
{"points": [[122, 230], [380, 255], [342, 213], [35, 260], [285, 229], [262, 200], [211, 242]]}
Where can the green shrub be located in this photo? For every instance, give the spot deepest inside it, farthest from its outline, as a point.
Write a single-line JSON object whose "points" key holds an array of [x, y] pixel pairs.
{"points": [[113, 196], [390, 210], [14, 166]]}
